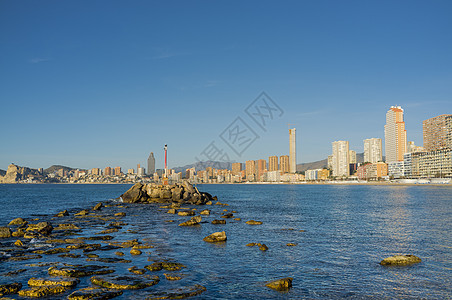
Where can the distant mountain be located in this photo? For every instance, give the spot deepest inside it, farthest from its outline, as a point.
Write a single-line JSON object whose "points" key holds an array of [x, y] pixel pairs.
{"points": [[54, 168], [320, 164], [2, 172]]}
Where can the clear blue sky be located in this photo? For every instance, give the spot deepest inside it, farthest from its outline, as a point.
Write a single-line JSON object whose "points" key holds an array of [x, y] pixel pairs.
{"points": [[102, 83]]}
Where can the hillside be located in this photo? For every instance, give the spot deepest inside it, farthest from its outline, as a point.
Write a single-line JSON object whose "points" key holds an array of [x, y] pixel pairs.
{"points": [[56, 168]]}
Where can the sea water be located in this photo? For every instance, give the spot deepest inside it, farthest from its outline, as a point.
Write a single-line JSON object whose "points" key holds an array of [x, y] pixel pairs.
{"points": [[340, 233]]}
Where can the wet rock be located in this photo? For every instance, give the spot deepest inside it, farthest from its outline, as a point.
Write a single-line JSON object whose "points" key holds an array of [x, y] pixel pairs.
{"points": [[91, 255], [125, 282], [209, 203], [252, 222], [156, 266], [186, 213], [79, 270], [263, 247], [172, 266], [24, 257], [68, 282], [180, 293], [82, 213], [227, 216], [135, 251], [87, 247], [216, 222], [99, 238], [205, 212], [237, 219], [192, 222], [74, 241], [18, 243], [43, 291], [18, 233], [400, 260], [136, 270], [5, 232], [172, 211], [98, 206], [120, 214], [173, 276], [223, 204], [62, 227], [283, 284], [63, 213], [17, 221], [10, 288], [291, 244], [251, 244], [52, 251], [216, 237], [94, 293], [118, 253], [44, 228]]}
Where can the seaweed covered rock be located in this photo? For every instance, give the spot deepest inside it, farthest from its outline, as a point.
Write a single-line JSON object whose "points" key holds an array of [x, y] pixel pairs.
{"points": [[94, 293], [5, 232], [10, 288], [79, 270], [400, 260], [216, 237], [283, 284], [125, 282]]}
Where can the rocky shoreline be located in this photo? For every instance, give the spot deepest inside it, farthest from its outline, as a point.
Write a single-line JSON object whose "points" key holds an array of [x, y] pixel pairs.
{"points": [[97, 253]]}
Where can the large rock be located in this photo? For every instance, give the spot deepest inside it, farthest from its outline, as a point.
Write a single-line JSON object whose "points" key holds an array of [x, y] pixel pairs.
{"points": [[216, 237], [5, 232], [192, 222], [12, 175], [400, 260], [283, 284], [135, 194], [44, 228], [17, 221]]}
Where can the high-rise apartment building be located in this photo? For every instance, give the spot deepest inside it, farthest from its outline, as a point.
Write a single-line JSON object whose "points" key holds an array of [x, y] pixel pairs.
{"points": [[395, 135], [352, 157], [436, 132], [292, 151], [118, 171], [341, 158], [273, 163], [236, 168], [250, 169], [107, 171], [151, 164], [261, 167], [284, 163], [373, 150]]}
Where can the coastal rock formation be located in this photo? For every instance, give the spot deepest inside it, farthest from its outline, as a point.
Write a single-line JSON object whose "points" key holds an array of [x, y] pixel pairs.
{"points": [[176, 193], [283, 284], [5, 232], [400, 260], [216, 237], [15, 173], [10, 288]]}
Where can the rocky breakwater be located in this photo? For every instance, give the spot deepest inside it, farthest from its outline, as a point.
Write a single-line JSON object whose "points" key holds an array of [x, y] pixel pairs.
{"points": [[184, 193]]}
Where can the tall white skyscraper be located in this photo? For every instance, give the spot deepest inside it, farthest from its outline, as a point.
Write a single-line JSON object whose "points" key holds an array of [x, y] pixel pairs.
{"points": [[395, 135], [373, 150], [341, 164], [292, 151]]}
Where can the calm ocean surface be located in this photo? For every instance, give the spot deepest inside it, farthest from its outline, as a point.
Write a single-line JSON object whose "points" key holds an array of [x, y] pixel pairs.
{"points": [[342, 233]]}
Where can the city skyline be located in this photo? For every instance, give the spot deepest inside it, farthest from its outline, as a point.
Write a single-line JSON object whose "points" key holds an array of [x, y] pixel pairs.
{"points": [[83, 90]]}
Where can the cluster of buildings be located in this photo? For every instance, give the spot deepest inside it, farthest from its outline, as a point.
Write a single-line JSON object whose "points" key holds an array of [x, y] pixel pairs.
{"points": [[403, 158]]}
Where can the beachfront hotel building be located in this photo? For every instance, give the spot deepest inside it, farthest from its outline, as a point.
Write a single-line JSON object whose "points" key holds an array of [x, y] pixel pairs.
{"points": [[340, 161], [373, 150], [236, 168], [261, 167], [292, 151], [284, 163], [436, 131], [395, 135], [250, 169], [352, 157], [273, 163]]}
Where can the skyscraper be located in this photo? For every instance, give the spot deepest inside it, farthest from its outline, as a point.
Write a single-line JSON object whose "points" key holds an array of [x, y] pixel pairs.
{"points": [[341, 158], [395, 135], [284, 163], [273, 163], [352, 157], [250, 169], [436, 131], [292, 151], [151, 164], [261, 167], [373, 150], [236, 168]]}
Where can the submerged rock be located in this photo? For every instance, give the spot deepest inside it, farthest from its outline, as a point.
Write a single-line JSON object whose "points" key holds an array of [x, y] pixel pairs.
{"points": [[79, 270], [192, 222], [263, 247], [69, 282], [10, 288], [400, 260], [63, 213], [252, 222], [125, 282], [180, 293], [17, 221], [216, 237], [215, 222], [94, 293], [44, 228], [283, 284], [98, 206], [43, 291]]}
